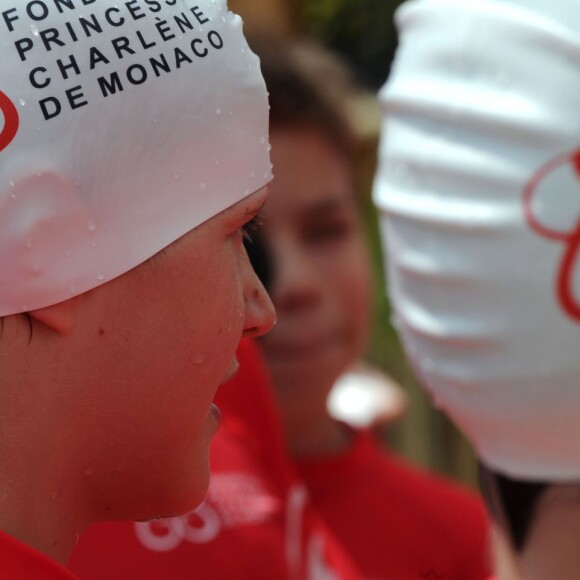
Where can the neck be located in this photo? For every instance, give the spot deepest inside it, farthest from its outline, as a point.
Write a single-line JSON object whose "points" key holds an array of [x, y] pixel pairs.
{"points": [[39, 498], [43, 497], [309, 429], [552, 548], [50, 534], [39, 513], [317, 434]]}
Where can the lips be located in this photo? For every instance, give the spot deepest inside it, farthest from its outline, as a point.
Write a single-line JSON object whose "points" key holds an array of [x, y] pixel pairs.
{"points": [[232, 370], [305, 347], [215, 412]]}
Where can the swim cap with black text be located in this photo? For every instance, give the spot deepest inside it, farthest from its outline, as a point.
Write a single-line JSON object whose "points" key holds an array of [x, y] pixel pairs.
{"points": [[123, 126]]}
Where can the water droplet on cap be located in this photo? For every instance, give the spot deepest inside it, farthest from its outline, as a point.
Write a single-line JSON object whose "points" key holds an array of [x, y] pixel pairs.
{"points": [[34, 29], [72, 289], [29, 243], [22, 102], [36, 269], [92, 226], [203, 185], [100, 277], [218, 111], [263, 141]]}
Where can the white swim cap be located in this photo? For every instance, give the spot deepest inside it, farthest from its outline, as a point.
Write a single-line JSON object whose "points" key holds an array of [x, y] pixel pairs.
{"points": [[479, 189], [123, 125]]}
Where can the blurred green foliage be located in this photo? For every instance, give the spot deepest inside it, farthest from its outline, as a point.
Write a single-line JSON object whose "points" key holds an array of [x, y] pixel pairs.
{"points": [[361, 30]]}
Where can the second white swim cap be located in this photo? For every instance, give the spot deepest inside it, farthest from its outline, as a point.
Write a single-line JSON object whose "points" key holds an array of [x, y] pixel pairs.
{"points": [[123, 125], [479, 187]]}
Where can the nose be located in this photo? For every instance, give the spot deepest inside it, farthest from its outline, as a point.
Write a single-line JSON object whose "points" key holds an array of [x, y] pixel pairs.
{"points": [[260, 315], [297, 284]]}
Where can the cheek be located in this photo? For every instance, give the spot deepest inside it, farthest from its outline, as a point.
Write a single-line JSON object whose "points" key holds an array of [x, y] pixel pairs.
{"points": [[349, 273], [219, 318], [362, 285], [358, 294], [179, 342]]}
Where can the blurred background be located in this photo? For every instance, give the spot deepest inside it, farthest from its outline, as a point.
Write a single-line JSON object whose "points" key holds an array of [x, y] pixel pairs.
{"points": [[363, 33]]}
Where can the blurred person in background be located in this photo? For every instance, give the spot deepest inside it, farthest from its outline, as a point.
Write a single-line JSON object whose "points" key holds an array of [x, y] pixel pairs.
{"points": [[479, 191], [394, 520]]}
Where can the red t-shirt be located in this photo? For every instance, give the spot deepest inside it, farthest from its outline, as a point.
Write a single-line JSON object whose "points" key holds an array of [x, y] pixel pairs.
{"points": [[398, 522], [20, 562], [256, 522]]}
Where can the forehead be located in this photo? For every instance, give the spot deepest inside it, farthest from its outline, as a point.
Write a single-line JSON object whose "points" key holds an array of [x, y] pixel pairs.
{"points": [[311, 175]]}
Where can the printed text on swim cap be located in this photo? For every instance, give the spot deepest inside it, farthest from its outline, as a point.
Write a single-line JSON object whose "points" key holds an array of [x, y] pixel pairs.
{"points": [[61, 65]]}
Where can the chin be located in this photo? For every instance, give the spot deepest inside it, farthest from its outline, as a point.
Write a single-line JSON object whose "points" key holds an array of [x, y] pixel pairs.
{"points": [[190, 497], [178, 501], [179, 492]]}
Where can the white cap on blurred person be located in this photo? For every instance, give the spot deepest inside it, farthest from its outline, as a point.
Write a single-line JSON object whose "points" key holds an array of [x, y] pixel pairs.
{"points": [[123, 126], [479, 189]]}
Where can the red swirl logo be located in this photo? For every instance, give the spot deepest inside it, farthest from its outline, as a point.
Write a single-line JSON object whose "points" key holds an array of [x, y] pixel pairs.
{"points": [[11, 121], [570, 238]]}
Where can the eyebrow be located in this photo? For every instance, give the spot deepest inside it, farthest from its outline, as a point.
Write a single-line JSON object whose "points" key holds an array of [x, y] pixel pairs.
{"points": [[328, 205], [255, 209]]}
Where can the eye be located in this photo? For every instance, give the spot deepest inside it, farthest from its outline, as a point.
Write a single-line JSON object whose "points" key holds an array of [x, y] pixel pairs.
{"points": [[252, 227], [329, 231]]}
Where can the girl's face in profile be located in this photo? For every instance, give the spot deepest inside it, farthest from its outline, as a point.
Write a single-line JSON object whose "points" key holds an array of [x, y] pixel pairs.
{"points": [[321, 272], [149, 350]]}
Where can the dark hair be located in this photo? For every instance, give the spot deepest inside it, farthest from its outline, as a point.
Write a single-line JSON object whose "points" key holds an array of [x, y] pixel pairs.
{"points": [[512, 503], [308, 86]]}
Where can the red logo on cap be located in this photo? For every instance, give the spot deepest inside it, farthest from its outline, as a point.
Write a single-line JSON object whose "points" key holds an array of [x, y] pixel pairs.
{"points": [[570, 238], [11, 121]]}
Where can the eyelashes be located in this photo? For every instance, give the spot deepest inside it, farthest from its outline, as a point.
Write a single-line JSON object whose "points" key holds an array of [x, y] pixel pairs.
{"points": [[252, 228]]}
